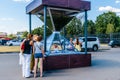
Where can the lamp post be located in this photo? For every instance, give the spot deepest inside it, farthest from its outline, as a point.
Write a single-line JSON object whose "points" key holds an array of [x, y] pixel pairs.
{"points": [[45, 25], [85, 26]]}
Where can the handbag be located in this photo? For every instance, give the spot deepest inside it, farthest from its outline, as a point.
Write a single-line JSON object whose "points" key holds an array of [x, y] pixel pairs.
{"points": [[22, 46], [20, 58]]}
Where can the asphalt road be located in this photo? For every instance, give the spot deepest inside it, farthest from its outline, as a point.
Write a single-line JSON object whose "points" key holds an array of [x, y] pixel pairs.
{"points": [[105, 66]]}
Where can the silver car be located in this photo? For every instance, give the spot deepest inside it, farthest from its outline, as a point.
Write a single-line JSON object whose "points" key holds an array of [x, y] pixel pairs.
{"points": [[13, 43]]}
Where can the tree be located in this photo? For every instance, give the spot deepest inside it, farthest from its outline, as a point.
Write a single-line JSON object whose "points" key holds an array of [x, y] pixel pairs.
{"points": [[74, 27], [91, 27], [117, 21], [40, 31], [104, 19], [110, 28], [24, 35], [12, 36]]}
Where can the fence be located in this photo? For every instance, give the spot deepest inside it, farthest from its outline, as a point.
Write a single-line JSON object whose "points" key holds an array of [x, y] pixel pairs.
{"points": [[104, 38]]}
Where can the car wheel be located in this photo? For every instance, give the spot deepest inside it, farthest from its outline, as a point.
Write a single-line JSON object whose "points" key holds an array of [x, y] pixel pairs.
{"points": [[112, 46], [95, 48], [10, 44]]}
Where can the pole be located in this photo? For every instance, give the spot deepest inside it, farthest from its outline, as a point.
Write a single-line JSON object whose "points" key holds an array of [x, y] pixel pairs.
{"points": [[64, 36], [45, 25], [85, 31], [29, 22]]}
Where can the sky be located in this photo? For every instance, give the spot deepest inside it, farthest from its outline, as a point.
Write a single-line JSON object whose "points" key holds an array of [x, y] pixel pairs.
{"points": [[13, 17]]}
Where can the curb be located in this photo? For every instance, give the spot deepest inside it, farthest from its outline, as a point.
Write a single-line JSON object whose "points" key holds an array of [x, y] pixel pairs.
{"points": [[8, 52]]}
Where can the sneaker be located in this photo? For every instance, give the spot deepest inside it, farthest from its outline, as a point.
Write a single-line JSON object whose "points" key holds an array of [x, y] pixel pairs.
{"points": [[27, 77], [31, 72]]}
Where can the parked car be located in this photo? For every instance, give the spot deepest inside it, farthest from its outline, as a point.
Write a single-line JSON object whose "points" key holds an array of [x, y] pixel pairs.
{"points": [[114, 43], [13, 43], [3, 41], [93, 43]]}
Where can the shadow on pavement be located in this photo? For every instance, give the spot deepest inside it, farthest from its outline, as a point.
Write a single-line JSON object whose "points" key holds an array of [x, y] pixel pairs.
{"points": [[103, 63]]}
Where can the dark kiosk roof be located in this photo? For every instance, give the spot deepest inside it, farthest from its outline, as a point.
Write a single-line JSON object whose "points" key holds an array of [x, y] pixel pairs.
{"points": [[78, 5]]}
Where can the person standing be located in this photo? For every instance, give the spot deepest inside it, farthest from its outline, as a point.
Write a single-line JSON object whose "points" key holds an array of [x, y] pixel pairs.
{"points": [[28, 43], [38, 55], [77, 44], [70, 46], [32, 62], [71, 41]]}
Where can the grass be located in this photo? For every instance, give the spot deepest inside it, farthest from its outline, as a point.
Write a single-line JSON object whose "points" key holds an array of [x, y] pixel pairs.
{"points": [[9, 48], [16, 48]]}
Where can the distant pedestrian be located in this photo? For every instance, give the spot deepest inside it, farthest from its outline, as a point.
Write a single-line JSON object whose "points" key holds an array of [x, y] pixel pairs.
{"points": [[38, 55], [77, 44], [71, 41], [70, 46], [28, 43]]}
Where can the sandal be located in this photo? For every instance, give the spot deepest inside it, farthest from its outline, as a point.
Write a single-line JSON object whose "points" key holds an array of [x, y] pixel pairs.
{"points": [[41, 76]]}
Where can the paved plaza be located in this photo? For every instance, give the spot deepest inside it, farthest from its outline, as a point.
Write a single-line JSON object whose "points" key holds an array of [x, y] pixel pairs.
{"points": [[105, 66]]}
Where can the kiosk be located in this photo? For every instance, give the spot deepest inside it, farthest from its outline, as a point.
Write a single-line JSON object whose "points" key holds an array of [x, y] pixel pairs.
{"points": [[60, 53]]}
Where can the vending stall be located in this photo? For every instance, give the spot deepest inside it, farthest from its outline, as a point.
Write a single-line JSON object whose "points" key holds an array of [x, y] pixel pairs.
{"points": [[59, 52]]}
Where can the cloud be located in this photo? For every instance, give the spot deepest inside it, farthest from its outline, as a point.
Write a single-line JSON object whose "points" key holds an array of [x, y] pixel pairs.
{"points": [[22, 0], [7, 19], [12, 29], [109, 8], [117, 1]]}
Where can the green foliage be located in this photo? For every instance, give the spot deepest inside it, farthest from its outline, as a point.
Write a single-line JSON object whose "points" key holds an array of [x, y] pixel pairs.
{"points": [[105, 23], [91, 27], [104, 19], [24, 35], [12, 36], [40, 31], [117, 29], [110, 28], [74, 27], [49, 23]]}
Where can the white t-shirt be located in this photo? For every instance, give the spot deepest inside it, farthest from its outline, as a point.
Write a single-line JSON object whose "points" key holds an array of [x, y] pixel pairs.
{"points": [[38, 47]]}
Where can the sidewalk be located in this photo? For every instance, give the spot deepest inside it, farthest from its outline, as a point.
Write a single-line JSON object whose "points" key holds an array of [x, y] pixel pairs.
{"points": [[105, 66], [104, 47]]}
